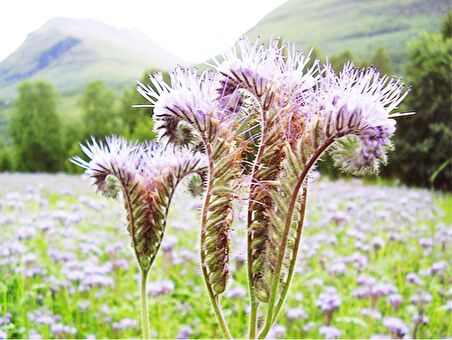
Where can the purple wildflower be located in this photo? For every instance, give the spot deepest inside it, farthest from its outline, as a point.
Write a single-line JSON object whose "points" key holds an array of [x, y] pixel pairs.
{"points": [[396, 326], [357, 104], [190, 101], [421, 298], [371, 312], [329, 332], [395, 300], [266, 69], [157, 288], [277, 332], [337, 269], [382, 289], [414, 279], [34, 335], [378, 243], [365, 280], [308, 326], [125, 323], [438, 267], [236, 292], [329, 301], [168, 243], [60, 330], [426, 243], [361, 292], [184, 333], [293, 314], [419, 318]]}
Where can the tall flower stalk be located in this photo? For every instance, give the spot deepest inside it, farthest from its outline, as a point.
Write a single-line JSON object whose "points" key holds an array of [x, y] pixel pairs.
{"points": [[147, 177], [197, 112]]}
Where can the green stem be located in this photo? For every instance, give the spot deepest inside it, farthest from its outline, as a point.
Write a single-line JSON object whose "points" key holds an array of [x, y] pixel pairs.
{"points": [[293, 260], [285, 236], [253, 318], [253, 303], [144, 307]]}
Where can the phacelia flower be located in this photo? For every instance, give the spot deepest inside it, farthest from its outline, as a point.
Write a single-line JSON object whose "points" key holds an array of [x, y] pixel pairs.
{"points": [[147, 176], [396, 326], [329, 301], [357, 104], [263, 69], [395, 300], [329, 332], [192, 104]]}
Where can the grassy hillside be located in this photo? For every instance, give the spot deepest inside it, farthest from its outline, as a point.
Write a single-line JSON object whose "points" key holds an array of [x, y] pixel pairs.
{"points": [[361, 26]]}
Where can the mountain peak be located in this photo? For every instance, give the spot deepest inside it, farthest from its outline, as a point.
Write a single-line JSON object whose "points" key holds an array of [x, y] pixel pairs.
{"points": [[72, 52]]}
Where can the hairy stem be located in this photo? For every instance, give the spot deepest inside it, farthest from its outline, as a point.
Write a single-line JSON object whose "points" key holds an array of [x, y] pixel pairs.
{"points": [[130, 213], [145, 327], [293, 260], [288, 221], [253, 317], [214, 300]]}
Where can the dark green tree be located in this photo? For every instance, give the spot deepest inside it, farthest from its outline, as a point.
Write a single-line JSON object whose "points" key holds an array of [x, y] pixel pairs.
{"points": [[35, 129], [446, 29], [99, 116], [424, 141], [382, 61], [74, 133], [6, 159]]}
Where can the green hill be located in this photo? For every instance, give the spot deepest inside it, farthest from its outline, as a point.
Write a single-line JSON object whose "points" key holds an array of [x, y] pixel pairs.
{"points": [[70, 53], [357, 25]]}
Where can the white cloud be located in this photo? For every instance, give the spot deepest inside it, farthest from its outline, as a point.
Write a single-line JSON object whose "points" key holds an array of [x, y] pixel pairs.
{"points": [[194, 30]]}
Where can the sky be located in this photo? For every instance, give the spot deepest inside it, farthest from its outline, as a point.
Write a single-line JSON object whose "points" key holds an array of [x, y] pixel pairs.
{"points": [[194, 30]]}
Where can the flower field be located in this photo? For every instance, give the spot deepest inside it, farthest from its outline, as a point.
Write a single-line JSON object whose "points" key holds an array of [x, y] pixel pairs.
{"points": [[374, 262]]}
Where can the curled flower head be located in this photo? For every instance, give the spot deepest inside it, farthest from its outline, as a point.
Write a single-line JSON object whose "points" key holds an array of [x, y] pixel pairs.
{"points": [[191, 105], [357, 103], [116, 155], [147, 176]]}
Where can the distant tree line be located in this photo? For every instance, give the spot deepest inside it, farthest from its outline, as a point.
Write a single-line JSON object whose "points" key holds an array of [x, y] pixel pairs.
{"points": [[42, 142], [423, 143]]}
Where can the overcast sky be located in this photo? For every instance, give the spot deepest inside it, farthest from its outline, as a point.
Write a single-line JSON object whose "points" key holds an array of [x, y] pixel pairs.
{"points": [[193, 30]]}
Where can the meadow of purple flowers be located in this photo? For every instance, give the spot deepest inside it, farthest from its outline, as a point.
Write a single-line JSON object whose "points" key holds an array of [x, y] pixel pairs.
{"points": [[374, 262]]}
